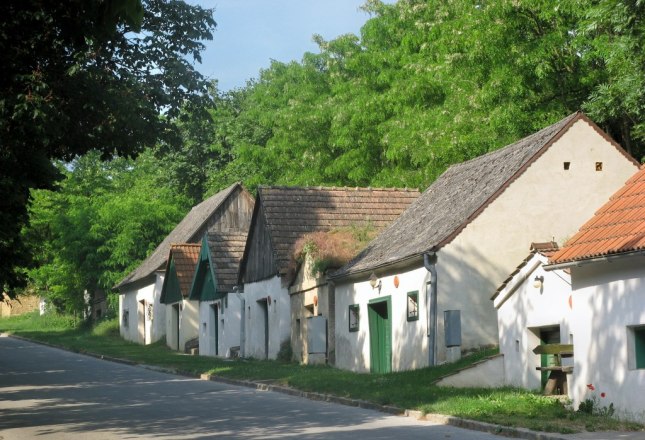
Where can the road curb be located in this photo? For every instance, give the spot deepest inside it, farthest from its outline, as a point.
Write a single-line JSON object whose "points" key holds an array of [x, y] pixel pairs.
{"points": [[472, 425]]}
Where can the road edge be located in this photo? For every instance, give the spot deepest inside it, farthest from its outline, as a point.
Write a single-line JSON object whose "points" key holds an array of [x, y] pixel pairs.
{"points": [[473, 425]]}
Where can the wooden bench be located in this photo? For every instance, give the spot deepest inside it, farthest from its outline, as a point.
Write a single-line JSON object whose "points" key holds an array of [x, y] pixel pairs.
{"points": [[557, 380]]}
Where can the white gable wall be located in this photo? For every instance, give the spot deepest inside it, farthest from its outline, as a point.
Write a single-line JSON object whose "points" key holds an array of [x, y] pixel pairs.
{"points": [[139, 325], [525, 310], [278, 313], [228, 326], [608, 298], [535, 207]]}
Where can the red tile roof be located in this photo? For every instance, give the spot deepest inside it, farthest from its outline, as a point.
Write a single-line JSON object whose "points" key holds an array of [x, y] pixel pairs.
{"points": [[617, 227], [185, 257]]}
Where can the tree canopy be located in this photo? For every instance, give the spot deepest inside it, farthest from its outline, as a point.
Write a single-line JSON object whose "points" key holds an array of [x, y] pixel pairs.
{"points": [[81, 75], [430, 83], [426, 84]]}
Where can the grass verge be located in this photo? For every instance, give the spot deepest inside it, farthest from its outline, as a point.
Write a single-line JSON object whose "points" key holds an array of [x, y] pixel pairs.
{"points": [[409, 389]]}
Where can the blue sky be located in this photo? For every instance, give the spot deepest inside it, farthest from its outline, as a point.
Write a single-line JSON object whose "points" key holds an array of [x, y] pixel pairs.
{"points": [[252, 32]]}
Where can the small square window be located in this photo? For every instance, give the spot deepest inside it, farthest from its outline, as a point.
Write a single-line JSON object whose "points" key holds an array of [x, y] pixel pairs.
{"points": [[598, 166], [353, 318], [567, 165], [413, 306]]}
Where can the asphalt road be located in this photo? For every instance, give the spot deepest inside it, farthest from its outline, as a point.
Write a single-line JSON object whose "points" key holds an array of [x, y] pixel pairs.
{"points": [[47, 393]]}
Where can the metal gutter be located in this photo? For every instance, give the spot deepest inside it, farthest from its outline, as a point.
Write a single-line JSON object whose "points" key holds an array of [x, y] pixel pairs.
{"points": [[603, 259]]}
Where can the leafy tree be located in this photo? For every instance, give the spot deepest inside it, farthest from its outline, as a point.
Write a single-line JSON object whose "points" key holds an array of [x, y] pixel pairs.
{"points": [[82, 75], [105, 219], [611, 41]]}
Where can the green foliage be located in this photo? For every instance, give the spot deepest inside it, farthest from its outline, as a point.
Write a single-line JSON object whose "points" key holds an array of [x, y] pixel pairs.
{"points": [[105, 218], [429, 84], [85, 75], [285, 354], [611, 43], [107, 328]]}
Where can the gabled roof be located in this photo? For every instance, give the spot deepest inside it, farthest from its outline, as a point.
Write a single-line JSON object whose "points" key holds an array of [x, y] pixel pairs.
{"points": [[546, 249], [226, 249], [291, 212], [618, 227], [455, 199], [185, 232], [182, 260]]}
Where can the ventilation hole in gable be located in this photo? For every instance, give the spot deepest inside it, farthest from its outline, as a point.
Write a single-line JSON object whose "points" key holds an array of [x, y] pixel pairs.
{"points": [[567, 165], [598, 166]]}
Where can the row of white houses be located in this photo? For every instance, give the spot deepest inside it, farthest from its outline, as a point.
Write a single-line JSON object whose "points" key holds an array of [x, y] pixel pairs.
{"points": [[245, 277]]}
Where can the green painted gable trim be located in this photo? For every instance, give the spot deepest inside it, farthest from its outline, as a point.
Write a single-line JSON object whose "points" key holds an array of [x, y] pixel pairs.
{"points": [[204, 285], [170, 292]]}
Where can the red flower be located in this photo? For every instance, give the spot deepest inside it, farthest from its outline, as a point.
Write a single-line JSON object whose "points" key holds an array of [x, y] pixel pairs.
{"points": [[602, 394], [591, 387]]}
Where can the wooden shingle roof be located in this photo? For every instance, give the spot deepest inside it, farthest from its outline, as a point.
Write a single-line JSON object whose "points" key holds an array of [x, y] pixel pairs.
{"points": [[617, 227], [185, 256], [455, 199], [187, 231], [291, 212], [226, 249]]}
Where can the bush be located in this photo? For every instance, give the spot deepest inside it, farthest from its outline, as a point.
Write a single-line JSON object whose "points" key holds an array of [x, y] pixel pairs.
{"points": [[107, 327], [286, 352]]}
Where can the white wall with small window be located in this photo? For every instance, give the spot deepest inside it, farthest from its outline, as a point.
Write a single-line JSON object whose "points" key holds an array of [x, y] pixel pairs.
{"points": [[531, 304], [609, 327], [405, 296]]}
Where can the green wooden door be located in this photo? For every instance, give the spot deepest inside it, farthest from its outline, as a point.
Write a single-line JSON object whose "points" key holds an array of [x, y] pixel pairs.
{"points": [[548, 336], [380, 327]]}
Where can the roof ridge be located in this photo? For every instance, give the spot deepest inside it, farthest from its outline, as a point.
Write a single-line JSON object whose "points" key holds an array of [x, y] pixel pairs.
{"points": [[536, 134], [339, 188]]}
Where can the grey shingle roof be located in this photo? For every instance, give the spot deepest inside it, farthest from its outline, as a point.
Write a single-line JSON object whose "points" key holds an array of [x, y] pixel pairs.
{"points": [[292, 212], [226, 249], [187, 231], [453, 201]]}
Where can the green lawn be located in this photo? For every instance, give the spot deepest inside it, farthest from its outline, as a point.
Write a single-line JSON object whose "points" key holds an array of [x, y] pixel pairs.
{"points": [[410, 389]]}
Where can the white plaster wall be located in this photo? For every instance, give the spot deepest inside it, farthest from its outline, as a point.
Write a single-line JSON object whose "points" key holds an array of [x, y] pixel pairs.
{"points": [[130, 300], [528, 308], [228, 329], [488, 373], [608, 297], [158, 327], [279, 314], [409, 339], [535, 208], [188, 324]]}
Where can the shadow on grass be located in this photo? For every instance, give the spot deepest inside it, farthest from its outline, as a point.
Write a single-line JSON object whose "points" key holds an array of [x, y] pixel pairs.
{"points": [[408, 389]]}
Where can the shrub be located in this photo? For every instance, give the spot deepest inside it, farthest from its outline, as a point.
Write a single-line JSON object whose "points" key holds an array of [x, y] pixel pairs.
{"points": [[286, 352]]}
